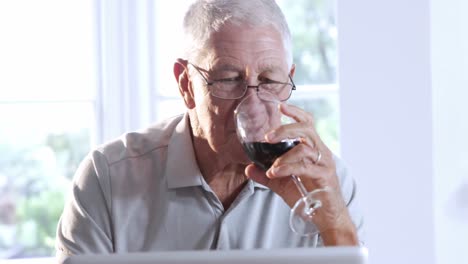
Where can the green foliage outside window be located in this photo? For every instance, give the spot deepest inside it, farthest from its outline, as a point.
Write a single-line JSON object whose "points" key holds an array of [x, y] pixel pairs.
{"points": [[313, 28], [35, 180]]}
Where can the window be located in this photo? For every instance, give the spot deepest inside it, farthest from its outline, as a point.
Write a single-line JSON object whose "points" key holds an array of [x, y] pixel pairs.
{"points": [[313, 28], [168, 48], [47, 109]]}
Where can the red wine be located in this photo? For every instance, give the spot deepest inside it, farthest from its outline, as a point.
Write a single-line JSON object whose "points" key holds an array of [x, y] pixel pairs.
{"points": [[263, 154]]}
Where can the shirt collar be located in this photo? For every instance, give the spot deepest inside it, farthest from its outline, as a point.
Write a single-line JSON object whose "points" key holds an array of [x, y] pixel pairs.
{"points": [[258, 185], [182, 169]]}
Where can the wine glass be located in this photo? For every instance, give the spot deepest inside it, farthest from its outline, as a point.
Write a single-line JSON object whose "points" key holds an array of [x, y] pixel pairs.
{"points": [[255, 116]]}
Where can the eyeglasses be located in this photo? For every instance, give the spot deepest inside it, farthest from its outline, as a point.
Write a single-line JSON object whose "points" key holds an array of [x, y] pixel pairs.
{"points": [[235, 88]]}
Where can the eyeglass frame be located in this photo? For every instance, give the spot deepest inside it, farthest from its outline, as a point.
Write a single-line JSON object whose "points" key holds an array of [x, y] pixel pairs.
{"points": [[208, 83]]}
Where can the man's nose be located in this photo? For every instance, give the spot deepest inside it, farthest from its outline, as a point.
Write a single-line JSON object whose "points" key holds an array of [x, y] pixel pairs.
{"points": [[252, 89], [251, 92]]}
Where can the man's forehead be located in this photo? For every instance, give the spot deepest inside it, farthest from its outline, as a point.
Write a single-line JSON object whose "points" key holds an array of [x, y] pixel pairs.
{"points": [[232, 65], [270, 58]]}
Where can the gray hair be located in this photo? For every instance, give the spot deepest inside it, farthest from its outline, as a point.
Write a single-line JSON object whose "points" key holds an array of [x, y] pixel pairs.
{"points": [[205, 17]]}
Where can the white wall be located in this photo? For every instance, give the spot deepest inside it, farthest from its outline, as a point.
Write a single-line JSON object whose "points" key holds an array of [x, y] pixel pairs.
{"points": [[386, 113], [450, 109]]}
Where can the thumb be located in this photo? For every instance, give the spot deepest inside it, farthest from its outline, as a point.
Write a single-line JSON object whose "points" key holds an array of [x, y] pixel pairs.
{"points": [[256, 174], [282, 186]]}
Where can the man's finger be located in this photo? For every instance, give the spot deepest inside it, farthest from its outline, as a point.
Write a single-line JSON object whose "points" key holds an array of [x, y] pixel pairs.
{"points": [[256, 174]]}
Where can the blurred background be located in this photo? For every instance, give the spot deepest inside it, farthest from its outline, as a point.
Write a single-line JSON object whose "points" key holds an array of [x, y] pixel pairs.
{"points": [[386, 83]]}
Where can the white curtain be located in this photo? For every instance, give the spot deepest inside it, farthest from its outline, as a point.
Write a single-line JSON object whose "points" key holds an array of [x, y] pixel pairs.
{"points": [[125, 41]]}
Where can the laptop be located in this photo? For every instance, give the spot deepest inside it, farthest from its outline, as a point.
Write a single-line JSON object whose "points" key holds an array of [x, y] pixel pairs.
{"points": [[322, 255]]}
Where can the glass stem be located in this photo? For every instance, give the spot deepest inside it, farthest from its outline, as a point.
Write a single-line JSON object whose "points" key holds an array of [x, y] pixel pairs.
{"points": [[299, 185]]}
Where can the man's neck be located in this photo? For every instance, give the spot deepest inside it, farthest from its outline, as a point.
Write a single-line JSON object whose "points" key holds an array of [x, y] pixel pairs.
{"points": [[225, 179]]}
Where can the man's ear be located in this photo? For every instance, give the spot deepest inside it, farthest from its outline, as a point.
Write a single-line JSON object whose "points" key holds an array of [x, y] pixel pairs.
{"points": [[293, 70], [185, 86]]}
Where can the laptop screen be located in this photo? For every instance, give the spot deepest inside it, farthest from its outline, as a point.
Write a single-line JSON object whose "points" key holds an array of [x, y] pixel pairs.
{"points": [[323, 255]]}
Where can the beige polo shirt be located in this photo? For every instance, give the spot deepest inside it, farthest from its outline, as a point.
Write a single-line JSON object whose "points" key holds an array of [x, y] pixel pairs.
{"points": [[144, 192]]}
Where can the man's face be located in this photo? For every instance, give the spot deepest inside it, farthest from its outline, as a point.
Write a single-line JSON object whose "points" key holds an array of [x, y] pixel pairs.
{"points": [[252, 54]]}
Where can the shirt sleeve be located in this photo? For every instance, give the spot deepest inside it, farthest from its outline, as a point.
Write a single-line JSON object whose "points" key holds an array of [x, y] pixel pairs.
{"points": [[85, 224], [349, 191]]}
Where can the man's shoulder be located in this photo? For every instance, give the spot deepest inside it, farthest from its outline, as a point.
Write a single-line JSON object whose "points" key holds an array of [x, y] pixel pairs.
{"points": [[140, 143]]}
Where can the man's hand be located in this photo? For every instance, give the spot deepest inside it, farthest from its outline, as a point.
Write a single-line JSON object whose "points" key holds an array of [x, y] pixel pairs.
{"points": [[313, 162]]}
